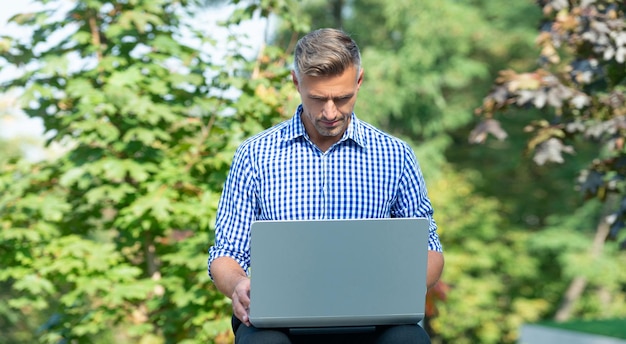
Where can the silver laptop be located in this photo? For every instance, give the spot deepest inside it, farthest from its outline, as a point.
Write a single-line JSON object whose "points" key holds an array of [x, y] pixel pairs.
{"points": [[338, 273]]}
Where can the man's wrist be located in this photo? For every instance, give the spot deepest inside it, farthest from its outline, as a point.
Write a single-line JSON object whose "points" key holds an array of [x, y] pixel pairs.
{"points": [[236, 283]]}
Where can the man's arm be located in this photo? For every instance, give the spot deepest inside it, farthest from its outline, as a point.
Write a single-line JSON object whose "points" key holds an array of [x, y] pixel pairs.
{"points": [[229, 256], [232, 281], [434, 268], [413, 201]]}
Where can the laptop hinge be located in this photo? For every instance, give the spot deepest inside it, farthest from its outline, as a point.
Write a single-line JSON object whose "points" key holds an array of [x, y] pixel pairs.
{"points": [[331, 330]]}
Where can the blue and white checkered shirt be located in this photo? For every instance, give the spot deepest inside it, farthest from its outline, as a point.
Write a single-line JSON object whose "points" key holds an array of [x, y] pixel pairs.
{"points": [[280, 174]]}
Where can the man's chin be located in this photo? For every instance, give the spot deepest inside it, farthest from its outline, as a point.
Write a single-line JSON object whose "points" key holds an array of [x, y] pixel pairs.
{"points": [[330, 133]]}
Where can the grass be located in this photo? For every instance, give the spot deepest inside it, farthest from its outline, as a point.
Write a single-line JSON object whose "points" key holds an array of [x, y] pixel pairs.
{"points": [[615, 328]]}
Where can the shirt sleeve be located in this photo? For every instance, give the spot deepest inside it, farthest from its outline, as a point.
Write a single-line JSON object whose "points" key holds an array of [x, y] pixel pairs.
{"points": [[235, 213], [412, 198]]}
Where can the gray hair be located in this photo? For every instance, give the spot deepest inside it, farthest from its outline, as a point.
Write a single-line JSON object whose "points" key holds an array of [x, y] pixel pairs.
{"points": [[326, 52]]}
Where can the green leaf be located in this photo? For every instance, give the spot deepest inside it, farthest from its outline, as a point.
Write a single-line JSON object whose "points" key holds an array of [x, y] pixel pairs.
{"points": [[128, 78], [71, 176], [34, 284]]}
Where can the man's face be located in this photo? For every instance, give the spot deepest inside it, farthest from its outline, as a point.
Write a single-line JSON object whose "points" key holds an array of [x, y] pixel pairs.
{"points": [[328, 102]]}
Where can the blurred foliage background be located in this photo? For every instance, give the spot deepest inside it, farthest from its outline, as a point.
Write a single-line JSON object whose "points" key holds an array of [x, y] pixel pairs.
{"points": [[105, 239]]}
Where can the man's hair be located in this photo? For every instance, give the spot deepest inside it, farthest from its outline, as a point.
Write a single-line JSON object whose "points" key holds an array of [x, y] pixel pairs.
{"points": [[326, 52]]}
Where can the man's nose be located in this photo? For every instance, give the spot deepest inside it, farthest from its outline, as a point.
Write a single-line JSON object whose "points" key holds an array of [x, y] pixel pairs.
{"points": [[329, 108]]}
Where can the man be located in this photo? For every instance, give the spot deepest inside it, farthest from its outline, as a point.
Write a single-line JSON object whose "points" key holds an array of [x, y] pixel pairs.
{"points": [[323, 163]]}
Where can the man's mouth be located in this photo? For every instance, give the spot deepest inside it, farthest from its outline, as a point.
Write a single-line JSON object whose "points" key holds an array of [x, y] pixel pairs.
{"points": [[330, 124]]}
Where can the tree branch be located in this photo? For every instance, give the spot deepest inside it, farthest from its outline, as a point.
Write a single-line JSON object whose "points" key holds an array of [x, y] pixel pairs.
{"points": [[95, 36]]}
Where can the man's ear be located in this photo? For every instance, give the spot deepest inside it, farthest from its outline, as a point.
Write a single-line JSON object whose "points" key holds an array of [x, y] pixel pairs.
{"points": [[359, 80], [294, 78]]}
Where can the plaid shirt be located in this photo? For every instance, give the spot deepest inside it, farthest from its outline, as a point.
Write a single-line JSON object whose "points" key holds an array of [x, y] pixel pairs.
{"points": [[279, 174]]}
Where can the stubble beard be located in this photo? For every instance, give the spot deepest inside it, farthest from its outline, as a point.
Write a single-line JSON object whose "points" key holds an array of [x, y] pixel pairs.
{"points": [[331, 132]]}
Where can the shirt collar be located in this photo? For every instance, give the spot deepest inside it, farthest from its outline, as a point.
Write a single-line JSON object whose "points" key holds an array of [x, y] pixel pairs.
{"points": [[295, 128]]}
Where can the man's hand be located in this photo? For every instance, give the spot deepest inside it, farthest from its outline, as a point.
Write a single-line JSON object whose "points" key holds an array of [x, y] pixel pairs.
{"points": [[241, 301]]}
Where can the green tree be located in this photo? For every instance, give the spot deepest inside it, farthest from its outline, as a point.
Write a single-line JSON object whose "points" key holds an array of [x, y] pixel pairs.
{"points": [[579, 89], [108, 242]]}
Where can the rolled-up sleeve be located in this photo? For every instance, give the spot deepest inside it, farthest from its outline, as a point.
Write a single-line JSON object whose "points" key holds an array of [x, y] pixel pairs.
{"points": [[235, 213], [412, 198]]}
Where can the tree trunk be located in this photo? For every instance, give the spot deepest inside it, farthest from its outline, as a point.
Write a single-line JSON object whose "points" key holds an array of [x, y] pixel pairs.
{"points": [[150, 255], [578, 284], [337, 10]]}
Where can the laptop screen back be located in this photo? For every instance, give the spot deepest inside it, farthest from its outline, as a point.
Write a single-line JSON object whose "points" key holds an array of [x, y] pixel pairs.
{"points": [[325, 273]]}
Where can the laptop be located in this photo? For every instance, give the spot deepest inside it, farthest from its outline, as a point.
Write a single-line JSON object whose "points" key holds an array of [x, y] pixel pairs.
{"points": [[338, 274]]}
